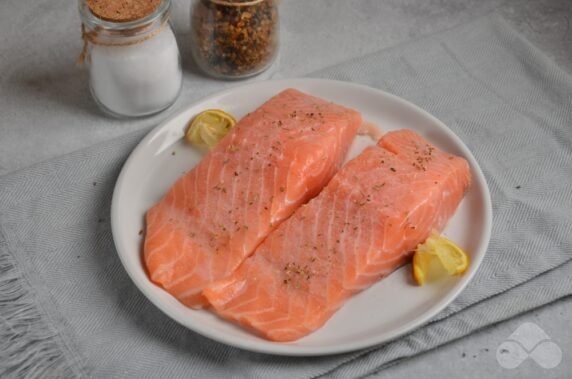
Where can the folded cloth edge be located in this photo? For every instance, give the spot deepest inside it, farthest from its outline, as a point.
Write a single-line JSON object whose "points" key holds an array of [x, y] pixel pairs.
{"points": [[30, 346], [538, 292]]}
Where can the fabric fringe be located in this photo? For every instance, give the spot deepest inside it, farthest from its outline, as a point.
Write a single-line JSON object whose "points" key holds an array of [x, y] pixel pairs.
{"points": [[29, 348]]}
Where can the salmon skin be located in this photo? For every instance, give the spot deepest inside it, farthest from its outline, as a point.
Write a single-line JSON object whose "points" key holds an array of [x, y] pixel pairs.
{"points": [[271, 162], [363, 225]]}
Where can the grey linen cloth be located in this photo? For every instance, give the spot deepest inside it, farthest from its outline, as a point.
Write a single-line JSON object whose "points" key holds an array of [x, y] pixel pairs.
{"points": [[68, 309]]}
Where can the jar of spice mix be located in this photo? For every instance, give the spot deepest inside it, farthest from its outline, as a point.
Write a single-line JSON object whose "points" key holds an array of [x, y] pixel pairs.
{"points": [[132, 55], [234, 39]]}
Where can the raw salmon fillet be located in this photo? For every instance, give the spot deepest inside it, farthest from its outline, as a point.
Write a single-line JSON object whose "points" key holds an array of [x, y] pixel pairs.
{"points": [[272, 161], [361, 227]]}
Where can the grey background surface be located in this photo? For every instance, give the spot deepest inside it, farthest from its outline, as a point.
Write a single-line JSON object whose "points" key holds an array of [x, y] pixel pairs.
{"points": [[46, 109]]}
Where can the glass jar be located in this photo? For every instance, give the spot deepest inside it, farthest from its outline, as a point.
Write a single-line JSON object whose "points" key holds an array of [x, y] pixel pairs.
{"points": [[234, 39], [134, 66]]}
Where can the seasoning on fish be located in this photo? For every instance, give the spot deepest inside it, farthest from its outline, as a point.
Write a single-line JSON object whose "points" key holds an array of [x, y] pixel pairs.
{"points": [[271, 162], [362, 226]]}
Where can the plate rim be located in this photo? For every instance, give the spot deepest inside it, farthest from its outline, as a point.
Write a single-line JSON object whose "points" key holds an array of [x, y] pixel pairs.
{"points": [[269, 347]]}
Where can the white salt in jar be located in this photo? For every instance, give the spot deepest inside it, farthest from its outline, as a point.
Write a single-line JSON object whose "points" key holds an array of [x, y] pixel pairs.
{"points": [[132, 55]]}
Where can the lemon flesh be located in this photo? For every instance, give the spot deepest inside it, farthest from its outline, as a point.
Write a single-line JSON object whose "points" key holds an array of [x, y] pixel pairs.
{"points": [[438, 258], [209, 127]]}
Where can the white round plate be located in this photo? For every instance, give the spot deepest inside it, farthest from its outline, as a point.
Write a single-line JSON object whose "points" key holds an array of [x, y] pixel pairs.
{"points": [[388, 309]]}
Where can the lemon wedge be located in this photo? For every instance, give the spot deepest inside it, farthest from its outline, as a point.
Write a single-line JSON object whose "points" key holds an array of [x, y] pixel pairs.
{"points": [[209, 127], [437, 258]]}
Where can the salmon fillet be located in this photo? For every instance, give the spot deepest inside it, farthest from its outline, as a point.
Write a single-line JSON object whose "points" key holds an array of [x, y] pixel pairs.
{"points": [[272, 161], [361, 227]]}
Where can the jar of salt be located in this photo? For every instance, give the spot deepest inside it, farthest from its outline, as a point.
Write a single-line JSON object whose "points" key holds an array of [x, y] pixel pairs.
{"points": [[132, 55]]}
